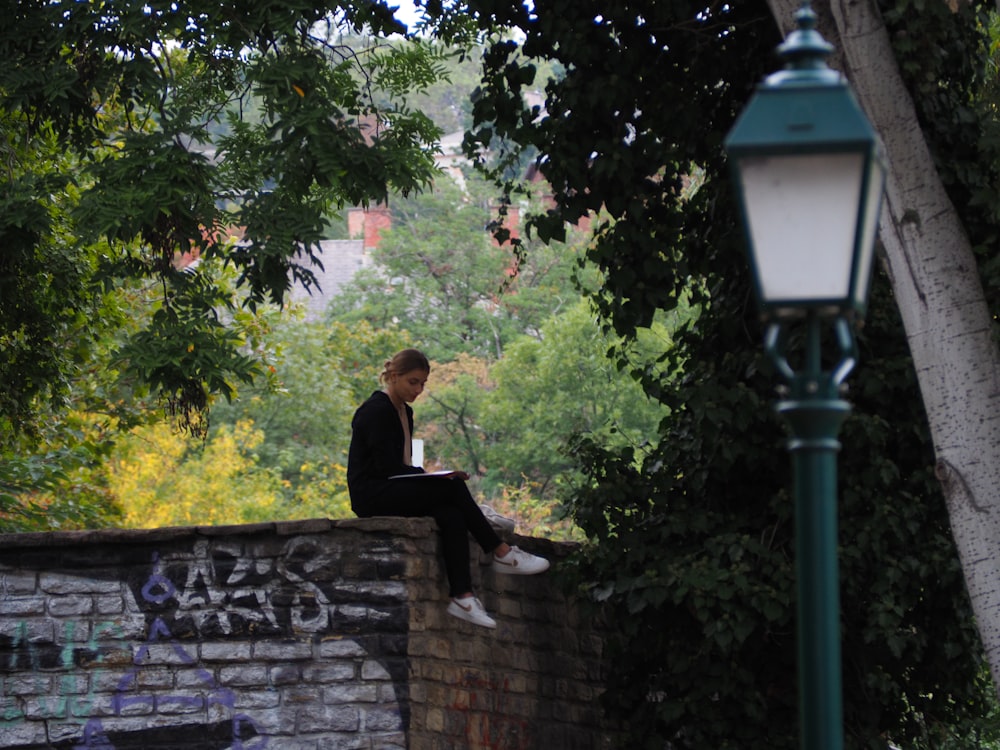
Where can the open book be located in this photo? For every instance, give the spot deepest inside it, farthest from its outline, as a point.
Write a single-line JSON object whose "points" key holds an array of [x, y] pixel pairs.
{"points": [[426, 475]]}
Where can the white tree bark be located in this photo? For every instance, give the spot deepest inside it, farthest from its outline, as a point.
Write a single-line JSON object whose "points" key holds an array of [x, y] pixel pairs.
{"points": [[940, 297]]}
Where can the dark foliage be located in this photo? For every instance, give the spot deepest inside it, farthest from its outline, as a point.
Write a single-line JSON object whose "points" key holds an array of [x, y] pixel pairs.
{"points": [[692, 542]]}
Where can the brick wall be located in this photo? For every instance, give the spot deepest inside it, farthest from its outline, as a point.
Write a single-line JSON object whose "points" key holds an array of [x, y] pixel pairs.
{"points": [[305, 635]]}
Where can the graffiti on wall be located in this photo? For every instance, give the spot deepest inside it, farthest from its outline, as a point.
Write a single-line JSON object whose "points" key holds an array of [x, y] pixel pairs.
{"points": [[225, 590], [215, 592]]}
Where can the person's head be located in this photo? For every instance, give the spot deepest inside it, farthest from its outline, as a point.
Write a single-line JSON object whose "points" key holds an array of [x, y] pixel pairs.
{"points": [[405, 374]]}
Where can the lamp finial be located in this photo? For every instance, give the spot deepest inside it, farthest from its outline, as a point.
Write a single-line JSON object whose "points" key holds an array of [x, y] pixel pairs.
{"points": [[804, 52]]}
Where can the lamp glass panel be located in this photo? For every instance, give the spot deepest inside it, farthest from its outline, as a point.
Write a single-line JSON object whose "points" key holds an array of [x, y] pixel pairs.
{"points": [[802, 211], [870, 211]]}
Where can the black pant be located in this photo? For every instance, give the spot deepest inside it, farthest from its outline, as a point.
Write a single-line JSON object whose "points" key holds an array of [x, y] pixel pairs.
{"points": [[447, 501]]}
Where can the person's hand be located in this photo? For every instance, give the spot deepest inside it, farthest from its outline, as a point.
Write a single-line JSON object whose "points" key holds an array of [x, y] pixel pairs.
{"points": [[460, 475]]}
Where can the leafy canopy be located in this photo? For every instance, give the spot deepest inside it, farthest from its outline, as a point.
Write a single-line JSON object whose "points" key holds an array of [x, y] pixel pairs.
{"points": [[144, 136]]}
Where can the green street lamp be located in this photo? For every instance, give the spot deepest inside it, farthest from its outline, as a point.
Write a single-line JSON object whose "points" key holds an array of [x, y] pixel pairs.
{"points": [[809, 173]]}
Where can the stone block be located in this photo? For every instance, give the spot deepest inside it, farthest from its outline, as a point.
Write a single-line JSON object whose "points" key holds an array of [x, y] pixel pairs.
{"points": [[388, 619], [351, 692], [106, 680], [20, 733], [43, 707], [301, 694], [134, 704], [252, 701], [195, 679], [109, 605], [277, 723], [304, 526], [155, 654], [395, 694], [393, 644], [380, 720], [73, 584], [360, 569], [241, 676], [11, 709], [330, 719], [435, 720], [512, 658], [71, 605], [295, 744], [167, 705], [509, 608], [14, 581], [226, 651], [389, 741], [282, 650], [336, 671], [472, 650], [21, 606], [25, 683], [35, 630], [72, 684], [381, 669], [285, 675], [154, 677], [308, 744], [436, 646], [339, 647]]}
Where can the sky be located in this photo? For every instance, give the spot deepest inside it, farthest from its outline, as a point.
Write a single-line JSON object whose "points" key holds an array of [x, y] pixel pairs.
{"points": [[407, 12]]}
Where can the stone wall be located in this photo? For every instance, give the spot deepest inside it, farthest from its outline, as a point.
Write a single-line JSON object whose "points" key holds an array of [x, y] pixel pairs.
{"points": [[304, 635]]}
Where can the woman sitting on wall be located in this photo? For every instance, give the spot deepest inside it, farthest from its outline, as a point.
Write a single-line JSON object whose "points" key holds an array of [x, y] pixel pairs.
{"points": [[383, 482]]}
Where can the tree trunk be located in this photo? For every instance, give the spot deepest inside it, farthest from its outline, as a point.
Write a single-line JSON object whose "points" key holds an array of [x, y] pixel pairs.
{"points": [[940, 297]]}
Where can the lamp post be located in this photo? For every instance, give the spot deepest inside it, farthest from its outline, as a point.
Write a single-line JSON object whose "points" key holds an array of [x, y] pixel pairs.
{"points": [[809, 174]]}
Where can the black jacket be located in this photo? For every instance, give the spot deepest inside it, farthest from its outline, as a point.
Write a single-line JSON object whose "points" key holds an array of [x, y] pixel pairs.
{"points": [[376, 446]]}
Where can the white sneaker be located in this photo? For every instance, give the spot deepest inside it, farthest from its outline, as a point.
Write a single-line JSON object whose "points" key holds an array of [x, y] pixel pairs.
{"points": [[471, 610], [504, 523], [521, 563]]}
